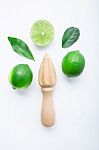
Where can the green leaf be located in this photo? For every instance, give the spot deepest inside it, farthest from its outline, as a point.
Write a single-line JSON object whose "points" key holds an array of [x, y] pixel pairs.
{"points": [[20, 47], [70, 36]]}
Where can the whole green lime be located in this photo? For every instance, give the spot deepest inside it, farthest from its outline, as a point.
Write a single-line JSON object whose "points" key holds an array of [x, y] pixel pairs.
{"points": [[73, 64], [20, 76]]}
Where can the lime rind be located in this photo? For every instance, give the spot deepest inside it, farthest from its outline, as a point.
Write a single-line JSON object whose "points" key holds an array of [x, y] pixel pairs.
{"points": [[73, 64], [20, 78], [42, 32]]}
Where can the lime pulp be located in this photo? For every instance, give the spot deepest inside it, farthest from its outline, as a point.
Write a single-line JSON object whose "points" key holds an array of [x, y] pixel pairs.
{"points": [[42, 32]]}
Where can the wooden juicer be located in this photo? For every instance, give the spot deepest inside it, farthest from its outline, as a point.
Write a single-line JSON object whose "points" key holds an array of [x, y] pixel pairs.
{"points": [[47, 80]]}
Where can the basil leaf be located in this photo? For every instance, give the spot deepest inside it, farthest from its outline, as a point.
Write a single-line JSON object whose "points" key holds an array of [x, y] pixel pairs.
{"points": [[70, 36], [20, 47]]}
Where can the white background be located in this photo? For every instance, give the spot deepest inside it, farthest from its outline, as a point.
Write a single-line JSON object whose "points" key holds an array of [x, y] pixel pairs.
{"points": [[76, 100]]}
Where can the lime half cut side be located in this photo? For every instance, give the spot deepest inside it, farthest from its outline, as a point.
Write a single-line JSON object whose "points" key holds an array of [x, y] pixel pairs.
{"points": [[42, 32]]}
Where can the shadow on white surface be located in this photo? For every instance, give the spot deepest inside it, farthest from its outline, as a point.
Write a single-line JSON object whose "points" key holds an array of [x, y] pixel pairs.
{"points": [[72, 80], [24, 92], [41, 48]]}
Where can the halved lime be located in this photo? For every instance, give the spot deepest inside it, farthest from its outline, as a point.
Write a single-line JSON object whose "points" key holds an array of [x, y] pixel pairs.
{"points": [[42, 32]]}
